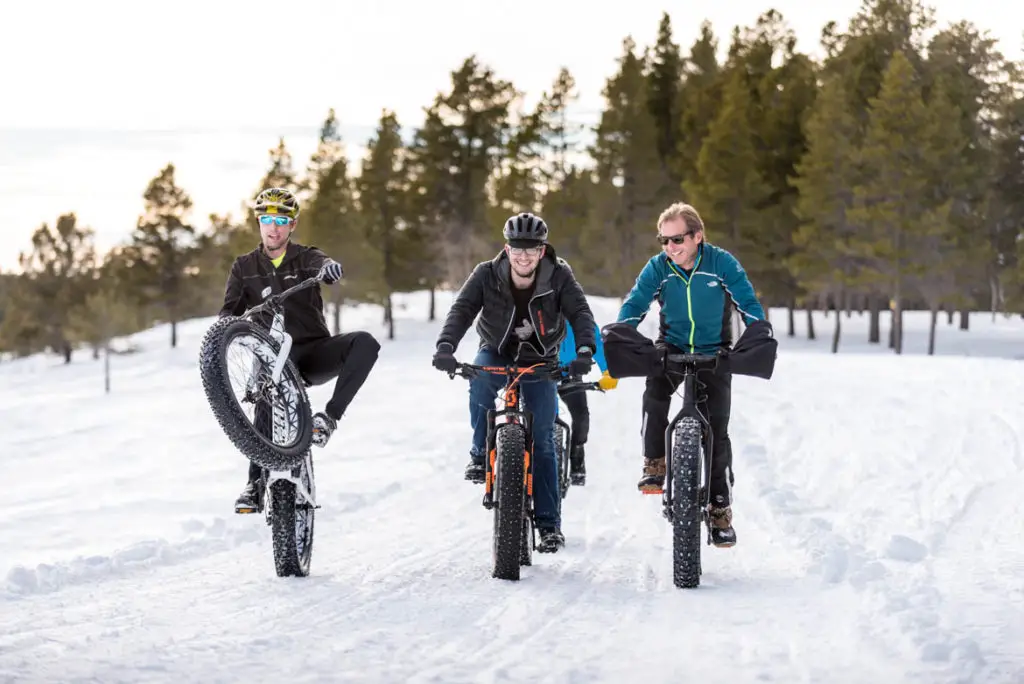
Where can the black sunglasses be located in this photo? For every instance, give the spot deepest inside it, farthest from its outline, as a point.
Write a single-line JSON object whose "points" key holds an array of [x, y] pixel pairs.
{"points": [[674, 239]]}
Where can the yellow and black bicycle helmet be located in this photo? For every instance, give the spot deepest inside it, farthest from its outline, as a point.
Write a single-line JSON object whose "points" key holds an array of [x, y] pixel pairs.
{"points": [[276, 201]]}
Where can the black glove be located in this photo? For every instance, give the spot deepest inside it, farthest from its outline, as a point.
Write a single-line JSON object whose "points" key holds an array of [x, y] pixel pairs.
{"points": [[582, 364], [331, 272], [444, 358]]}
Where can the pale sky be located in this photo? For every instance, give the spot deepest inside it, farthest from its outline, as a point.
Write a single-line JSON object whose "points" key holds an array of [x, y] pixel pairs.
{"points": [[101, 69]]}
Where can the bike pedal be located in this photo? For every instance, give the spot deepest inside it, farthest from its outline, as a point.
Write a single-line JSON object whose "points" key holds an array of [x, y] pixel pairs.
{"points": [[246, 511], [652, 490]]}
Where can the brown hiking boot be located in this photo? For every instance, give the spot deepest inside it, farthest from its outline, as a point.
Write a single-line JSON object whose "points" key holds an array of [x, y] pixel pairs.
{"points": [[722, 534], [653, 478]]}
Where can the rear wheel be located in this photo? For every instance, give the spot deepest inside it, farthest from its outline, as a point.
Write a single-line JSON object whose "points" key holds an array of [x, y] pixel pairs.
{"points": [[562, 451], [686, 514], [510, 500]]}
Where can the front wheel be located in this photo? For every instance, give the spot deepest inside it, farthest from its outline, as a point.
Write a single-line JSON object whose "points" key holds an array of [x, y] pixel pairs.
{"points": [[686, 514], [510, 501], [292, 523], [235, 362]]}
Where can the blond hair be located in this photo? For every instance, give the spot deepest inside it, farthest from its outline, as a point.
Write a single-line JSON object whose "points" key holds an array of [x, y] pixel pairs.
{"points": [[681, 210]]}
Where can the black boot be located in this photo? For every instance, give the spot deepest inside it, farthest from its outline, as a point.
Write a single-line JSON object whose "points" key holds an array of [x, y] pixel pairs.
{"points": [[251, 498], [577, 467], [551, 539], [475, 470]]}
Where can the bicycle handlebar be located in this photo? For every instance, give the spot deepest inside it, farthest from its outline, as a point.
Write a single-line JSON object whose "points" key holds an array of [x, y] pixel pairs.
{"points": [[547, 370], [697, 362], [571, 386]]}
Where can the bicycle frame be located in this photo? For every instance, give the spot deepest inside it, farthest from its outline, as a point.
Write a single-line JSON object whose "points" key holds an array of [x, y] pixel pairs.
{"points": [[514, 412], [275, 304]]}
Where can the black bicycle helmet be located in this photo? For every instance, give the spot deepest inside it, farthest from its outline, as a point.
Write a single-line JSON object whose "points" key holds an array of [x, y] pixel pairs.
{"points": [[525, 228]]}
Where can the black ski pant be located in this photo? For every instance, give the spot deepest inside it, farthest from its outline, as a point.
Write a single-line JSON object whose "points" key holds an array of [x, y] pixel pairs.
{"points": [[349, 357], [579, 411], [714, 394]]}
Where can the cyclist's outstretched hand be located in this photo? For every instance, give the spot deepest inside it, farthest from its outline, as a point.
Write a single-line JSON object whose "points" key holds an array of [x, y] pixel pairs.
{"points": [[444, 358], [331, 272]]}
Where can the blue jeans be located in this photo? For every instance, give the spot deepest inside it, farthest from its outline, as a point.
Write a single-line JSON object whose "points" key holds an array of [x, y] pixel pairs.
{"points": [[540, 397]]}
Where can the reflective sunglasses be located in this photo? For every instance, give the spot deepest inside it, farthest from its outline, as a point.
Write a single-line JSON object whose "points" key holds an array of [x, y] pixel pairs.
{"points": [[674, 239], [267, 219]]}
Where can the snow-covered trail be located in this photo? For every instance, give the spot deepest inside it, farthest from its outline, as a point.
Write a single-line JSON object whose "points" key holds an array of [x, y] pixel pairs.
{"points": [[877, 508]]}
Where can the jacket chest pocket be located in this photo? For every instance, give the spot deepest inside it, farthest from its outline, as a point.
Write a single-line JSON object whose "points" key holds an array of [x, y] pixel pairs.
{"points": [[257, 289], [712, 296]]}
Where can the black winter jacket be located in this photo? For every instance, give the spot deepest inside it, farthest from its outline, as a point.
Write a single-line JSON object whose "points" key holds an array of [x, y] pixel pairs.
{"points": [[253, 277], [557, 297]]}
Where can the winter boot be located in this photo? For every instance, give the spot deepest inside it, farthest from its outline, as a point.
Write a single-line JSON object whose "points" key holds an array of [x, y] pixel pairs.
{"points": [[251, 497], [323, 427], [722, 534], [475, 470], [653, 478], [551, 539], [577, 467]]}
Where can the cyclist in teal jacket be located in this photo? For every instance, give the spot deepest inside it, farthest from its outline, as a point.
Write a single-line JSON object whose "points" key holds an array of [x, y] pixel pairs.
{"points": [[696, 285]]}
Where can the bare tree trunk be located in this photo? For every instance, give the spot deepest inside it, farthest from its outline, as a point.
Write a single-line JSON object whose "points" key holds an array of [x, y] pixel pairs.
{"points": [[949, 314], [994, 285], [931, 331], [836, 332], [875, 325], [174, 333], [106, 368], [810, 323], [66, 349], [337, 315], [964, 322], [897, 319], [433, 305], [792, 319], [389, 312]]}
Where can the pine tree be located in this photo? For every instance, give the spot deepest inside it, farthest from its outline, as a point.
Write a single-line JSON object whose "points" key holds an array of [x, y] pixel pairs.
{"points": [[728, 190], [630, 188], [700, 100], [280, 173], [163, 241], [56, 280], [664, 96], [893, 199], [382, 190], [824, 258]]}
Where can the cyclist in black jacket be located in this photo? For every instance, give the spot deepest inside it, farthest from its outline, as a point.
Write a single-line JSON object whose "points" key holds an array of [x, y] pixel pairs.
{"points": [[523, 296], [275, 265]]}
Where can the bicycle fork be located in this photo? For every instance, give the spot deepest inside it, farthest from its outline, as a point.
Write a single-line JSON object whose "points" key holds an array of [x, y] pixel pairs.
{"points": [[302, 494], [489, 501], [689, 410]]}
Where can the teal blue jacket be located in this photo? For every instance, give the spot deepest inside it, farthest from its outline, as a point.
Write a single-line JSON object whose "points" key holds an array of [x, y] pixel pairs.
{"points": [[694, 307]]}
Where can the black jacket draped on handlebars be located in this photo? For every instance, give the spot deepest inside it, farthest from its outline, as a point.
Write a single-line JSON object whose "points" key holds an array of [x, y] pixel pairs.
{"points": [[557, 297], [253, 278]]}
